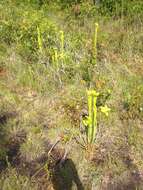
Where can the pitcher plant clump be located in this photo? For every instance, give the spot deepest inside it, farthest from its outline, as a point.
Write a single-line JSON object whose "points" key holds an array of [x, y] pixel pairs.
{"points": [[91, 120]]}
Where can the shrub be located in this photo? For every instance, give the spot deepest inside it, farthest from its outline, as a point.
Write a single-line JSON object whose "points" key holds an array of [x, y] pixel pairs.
{"points": [[121, 7]]}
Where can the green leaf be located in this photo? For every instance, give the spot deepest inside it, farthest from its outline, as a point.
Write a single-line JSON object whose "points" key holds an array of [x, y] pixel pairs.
{"points": [[105, 110]]}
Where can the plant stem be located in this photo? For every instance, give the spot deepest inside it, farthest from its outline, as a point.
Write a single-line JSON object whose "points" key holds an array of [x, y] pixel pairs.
{"points": [[92, 118]]}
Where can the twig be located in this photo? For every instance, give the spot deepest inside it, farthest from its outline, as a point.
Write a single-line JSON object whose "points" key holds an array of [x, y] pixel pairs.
{"points": [[53, 146]]}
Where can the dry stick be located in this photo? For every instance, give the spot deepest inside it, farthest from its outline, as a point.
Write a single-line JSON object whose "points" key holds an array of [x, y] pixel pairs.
{"points": [[38, 171], [53, 146], [61, 161], [67, 150], [64, 157]]}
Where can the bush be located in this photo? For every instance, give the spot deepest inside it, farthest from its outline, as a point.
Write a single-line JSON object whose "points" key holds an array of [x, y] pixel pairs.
{"points": [[121, 7], [18, 27]]}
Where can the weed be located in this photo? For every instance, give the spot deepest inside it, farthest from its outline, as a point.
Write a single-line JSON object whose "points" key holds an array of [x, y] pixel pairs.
{"points": [[62, 44], [94, 53], [39, 40]]}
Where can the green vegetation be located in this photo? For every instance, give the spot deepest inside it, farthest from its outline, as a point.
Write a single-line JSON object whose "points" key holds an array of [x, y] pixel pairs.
{"points": [[51, 54], [91, 121]]}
